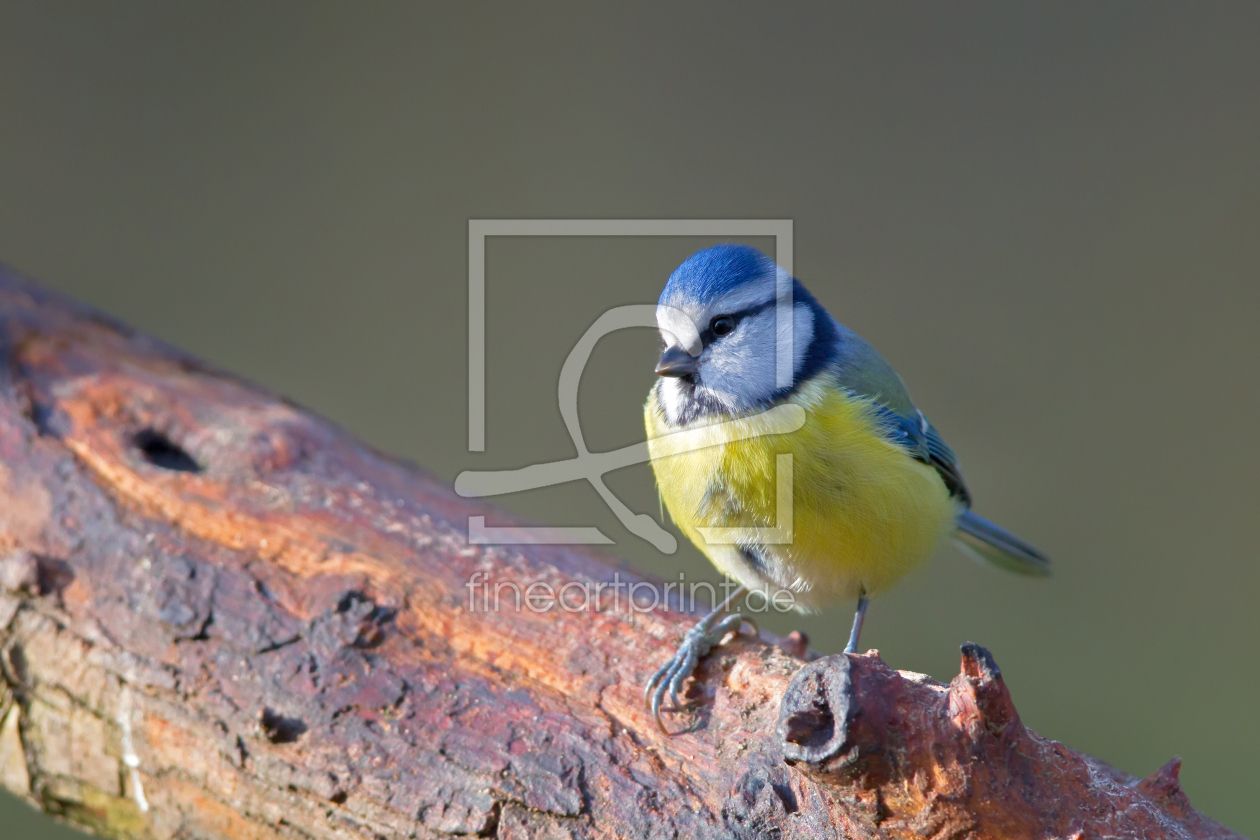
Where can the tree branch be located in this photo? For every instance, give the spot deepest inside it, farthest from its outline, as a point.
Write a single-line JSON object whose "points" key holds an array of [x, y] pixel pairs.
{"points": [[222, 617]]}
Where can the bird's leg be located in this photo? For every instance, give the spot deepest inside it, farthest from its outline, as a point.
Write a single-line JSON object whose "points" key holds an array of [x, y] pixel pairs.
{"points": [[858, 618], [699, 640]]}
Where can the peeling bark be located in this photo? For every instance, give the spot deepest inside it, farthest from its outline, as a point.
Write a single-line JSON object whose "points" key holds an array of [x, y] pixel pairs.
{"points": [[222, 617]]}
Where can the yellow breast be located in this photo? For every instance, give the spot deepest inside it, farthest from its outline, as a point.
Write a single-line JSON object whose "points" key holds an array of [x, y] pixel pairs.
{"points": [[863, 512]]}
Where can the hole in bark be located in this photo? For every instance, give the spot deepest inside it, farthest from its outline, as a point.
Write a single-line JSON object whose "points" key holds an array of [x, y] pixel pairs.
{"points": [[280, 729], [788, 797], [54, 575], [17, 662], [161, 451], [810, 728], [339, 798], [43, 416]]}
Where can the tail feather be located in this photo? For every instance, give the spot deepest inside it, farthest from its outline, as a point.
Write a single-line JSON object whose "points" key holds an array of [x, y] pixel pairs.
{"points": [[987, 542]]}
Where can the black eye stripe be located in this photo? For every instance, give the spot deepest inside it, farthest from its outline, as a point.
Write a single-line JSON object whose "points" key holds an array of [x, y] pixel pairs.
{"points": [[707, 336]]}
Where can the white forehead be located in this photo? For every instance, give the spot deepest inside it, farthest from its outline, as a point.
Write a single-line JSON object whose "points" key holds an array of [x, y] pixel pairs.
{"points": [[680, 322]]}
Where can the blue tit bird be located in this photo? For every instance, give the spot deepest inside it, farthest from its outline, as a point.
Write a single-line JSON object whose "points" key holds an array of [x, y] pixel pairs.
{"points": [[874, 488]]}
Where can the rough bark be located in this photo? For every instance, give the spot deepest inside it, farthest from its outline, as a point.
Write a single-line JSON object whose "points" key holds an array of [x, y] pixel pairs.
{"points": [[222, 617]]}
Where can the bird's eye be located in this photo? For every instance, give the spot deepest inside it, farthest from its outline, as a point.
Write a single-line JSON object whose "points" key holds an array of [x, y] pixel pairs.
{"points": [[722, 324]]}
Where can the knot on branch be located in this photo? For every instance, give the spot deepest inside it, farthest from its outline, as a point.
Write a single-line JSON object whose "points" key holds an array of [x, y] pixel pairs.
{"points": [[846, 717]]}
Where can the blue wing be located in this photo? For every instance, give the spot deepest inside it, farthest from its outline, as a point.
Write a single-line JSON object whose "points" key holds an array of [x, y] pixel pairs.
{"points": [[923, 443]]}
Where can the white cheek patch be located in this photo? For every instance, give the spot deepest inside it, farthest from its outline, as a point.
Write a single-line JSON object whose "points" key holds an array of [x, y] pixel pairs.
{"points": [[739, 370], [802, 334]]}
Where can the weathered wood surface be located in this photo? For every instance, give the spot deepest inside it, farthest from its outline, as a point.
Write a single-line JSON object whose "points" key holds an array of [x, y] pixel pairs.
{"points": [[222, 617]]}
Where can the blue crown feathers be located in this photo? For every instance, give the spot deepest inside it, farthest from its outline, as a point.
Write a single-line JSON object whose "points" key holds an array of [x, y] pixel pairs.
{"points": [[713, 272]]}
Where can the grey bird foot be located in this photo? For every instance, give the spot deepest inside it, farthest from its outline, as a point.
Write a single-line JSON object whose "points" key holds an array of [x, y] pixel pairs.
{"points": [[706, 635]]}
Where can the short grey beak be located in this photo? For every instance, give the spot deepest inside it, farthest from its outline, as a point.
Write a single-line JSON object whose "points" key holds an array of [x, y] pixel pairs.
{"points": [[677, 362]]}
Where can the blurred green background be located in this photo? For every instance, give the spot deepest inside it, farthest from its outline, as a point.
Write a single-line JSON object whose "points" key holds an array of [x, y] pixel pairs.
{"points": [[1046, 215]]}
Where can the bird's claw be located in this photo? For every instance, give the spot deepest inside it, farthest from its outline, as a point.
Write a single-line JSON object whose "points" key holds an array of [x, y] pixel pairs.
{"points": [[699, 640]]}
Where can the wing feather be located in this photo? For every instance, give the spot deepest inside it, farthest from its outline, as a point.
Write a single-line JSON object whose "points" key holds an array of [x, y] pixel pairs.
{"points": [[923, 443]]}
